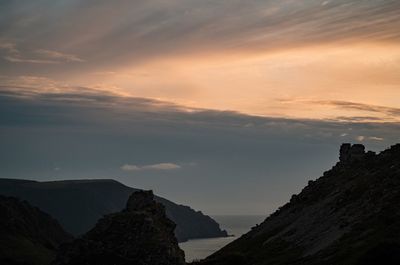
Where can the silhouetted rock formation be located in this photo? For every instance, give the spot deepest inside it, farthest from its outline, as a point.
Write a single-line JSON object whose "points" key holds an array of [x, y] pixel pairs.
{"points": [[28, 236], [351, 216], [139, 235], [78, 204], [350, 153]]}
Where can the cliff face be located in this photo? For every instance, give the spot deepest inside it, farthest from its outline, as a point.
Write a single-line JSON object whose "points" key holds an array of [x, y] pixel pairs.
{"points": [[141, 234], [78, 204], [350, 215], [28, 236]]}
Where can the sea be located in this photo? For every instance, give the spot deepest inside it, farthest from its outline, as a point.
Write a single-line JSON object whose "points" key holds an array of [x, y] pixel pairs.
{"points": [[236, 225]]}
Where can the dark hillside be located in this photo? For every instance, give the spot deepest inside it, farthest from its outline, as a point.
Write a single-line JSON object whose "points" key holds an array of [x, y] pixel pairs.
{"points": [[350, 215], [28, 236]]}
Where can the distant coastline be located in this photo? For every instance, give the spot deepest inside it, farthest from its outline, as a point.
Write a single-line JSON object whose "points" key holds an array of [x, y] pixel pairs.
{"points": [[236, 225]]}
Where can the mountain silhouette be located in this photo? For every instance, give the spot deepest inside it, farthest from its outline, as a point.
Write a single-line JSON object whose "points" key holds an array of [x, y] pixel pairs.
{"points": [[78, 204]]}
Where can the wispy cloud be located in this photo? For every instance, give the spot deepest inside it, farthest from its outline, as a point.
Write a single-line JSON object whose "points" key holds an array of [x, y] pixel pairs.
{"points": [[40, 56], [26, 60], [8, 46], [140, 29], [374, 138], [160, 166], [353, 111], [360, 106], [360, 138], [359, 119], [59, 56]]}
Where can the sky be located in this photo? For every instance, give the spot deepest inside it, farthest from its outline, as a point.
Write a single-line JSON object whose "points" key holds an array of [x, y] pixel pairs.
{"points": [[229, 106]]}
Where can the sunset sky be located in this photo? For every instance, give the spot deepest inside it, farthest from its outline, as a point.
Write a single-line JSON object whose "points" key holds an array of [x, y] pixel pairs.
{"points": [[153, 92]]}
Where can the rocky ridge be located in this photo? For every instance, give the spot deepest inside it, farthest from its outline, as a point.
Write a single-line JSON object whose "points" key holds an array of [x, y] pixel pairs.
{"points": [[350, 215]]}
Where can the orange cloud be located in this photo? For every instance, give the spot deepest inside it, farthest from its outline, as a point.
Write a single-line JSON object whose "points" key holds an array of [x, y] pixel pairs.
{"points": [[256, 83]]}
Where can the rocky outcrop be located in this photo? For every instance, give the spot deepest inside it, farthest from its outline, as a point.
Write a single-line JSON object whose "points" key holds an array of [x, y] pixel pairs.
{"points": [[350, 153], [28, 236], [78, 204], [141, 234], [350, 215]]}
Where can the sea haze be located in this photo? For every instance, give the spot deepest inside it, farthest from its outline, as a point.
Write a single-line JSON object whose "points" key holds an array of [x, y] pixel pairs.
{"points": [[236, 225]]}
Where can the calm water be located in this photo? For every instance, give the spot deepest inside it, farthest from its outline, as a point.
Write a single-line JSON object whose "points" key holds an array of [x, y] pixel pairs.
{"points": [[236, 225]]}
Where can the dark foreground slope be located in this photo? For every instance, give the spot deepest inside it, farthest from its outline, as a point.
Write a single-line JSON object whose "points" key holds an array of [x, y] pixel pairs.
{"points": [[78, 204], [351, 215], [28, 236], [141, 234]]}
